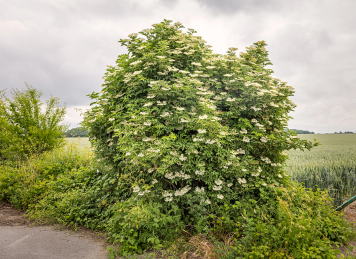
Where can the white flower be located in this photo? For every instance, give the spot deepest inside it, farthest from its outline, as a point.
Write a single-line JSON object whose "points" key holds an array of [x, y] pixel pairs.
{"points": [[280, 176], [161, 57], [196, 64], [264, 139], [169, 176], [147, 123], [201, 131], [165, 114], [180, 108], [136, 189], [166, 89], [182, 157], [199, 190], [167, 194], [255, 109], [241, 151], [161, 103], [246, 139], [141, 193], [266, 160], [255, 174], [154, 181], [183, 120], [242, 180], [147, 104], [220, 196], [135, 63], [128, 153], [218, 182], [184, 72], [217, 188], [210, 67], [199, 172], [144, 113], [274, 105], [150, 170], [264, 184], [208, 201], [229, 185], [141, 155], [111, 119], [230, 99], [203, 117], [147, 139], [210, 141], [137, 72], [182, 191], [150, 96], [174, 153], [223, 93], [228, 75], [254, 120], [168, 199], [243, 131], [198, 139]]}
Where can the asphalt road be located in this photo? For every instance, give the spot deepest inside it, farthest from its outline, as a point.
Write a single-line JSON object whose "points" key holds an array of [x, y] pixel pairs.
{"points": [[23, 242]]}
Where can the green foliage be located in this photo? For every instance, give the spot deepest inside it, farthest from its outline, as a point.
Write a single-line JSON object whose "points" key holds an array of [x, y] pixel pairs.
{"points": [[191, 129], [28, 130], [76, 132]]}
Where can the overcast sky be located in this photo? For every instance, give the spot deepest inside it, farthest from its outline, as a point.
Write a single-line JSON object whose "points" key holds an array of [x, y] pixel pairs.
{"points": [[62, 47]]}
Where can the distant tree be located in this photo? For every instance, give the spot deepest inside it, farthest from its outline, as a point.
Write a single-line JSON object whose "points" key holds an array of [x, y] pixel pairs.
{"points": [[76, 132], [25, 129]]}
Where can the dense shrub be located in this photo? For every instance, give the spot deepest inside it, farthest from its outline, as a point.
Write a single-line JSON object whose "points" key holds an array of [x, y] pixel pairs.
{"points": [[25, 129]]}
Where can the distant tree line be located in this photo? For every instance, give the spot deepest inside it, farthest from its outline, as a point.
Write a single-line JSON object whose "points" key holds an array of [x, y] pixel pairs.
{"points": [[76, 132], [302, 131], [345, 132]]}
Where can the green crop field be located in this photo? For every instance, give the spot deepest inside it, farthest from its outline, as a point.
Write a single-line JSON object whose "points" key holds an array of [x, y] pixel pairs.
{"points": [[81, 142], [331, 166]]}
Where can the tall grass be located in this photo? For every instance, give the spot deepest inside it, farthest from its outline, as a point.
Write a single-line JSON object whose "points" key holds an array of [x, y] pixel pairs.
{"points": [[331, 166]]}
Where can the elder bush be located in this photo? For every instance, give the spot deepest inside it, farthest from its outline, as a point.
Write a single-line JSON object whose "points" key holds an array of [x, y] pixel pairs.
{"points": [[189, 132]]}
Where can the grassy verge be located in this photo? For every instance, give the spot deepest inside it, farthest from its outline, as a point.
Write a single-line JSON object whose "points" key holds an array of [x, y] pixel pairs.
{"points": [[68, 186]]}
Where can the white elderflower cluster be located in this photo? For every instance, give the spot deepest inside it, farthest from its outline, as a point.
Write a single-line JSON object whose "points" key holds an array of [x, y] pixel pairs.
{"points": [[180, 174], [274, 105], [151, 149], [144, 192], [218, 182], [229, 185], [165, 89], [150, 96], [147, 104], [196, 64], [167, 194], [219, 196], [210, 141], [179, 108], [147, 123], [246, 139], [228, 75], [154, 181], [173, 153], [148, 139], [280, 176], [198, 139], [184, 120], [255, 109], [217, 187], [210, 67], [223, 93], [150, 170], [241, 151], [182, 157], [141, 155], [199, 190], [136, 189], [201, 131], [254, 121], [135, 63], [242, 180], [144, 113], [230, 99], [266, 160], [165, 114], [111, 119], [255, 174], [182, 191], [199, 172], [203, 117], [243, 131], [264, 139], [161, 103], [128, 153], [208, 201]]}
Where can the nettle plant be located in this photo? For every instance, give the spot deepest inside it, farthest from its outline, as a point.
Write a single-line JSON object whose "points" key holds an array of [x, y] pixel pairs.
{"points": [[185, 126]]}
